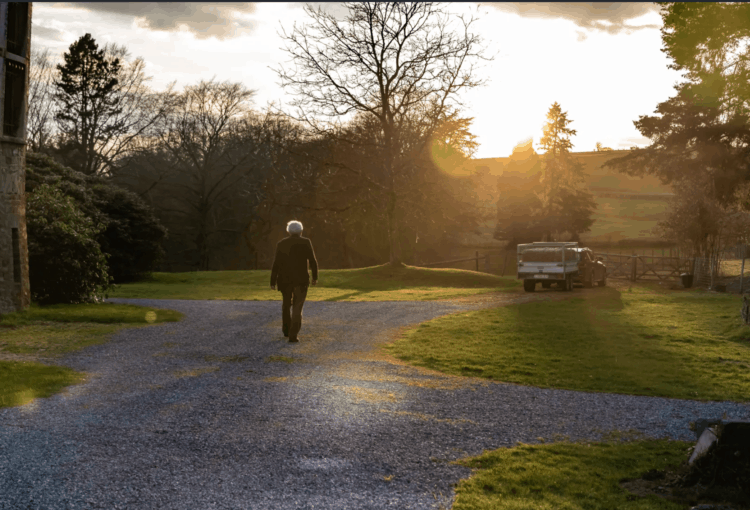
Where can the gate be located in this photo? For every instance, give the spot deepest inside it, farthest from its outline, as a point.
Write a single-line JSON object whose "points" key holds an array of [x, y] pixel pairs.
{"points": [[644, 267]]}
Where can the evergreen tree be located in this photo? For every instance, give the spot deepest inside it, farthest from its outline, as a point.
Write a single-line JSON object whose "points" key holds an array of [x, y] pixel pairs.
{"points": [[89, 95], [702, 133], [566, 204], [700, 137]]}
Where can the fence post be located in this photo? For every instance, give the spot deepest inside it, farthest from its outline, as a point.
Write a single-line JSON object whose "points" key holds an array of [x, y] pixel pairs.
{"points": [[633, 266], [742, 270], [507, 252], [694, 269]]}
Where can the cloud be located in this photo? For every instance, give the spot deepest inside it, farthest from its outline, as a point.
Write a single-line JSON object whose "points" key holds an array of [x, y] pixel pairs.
{"points": [[204, 20], [47, 33], [336, 9], [610, 17]]}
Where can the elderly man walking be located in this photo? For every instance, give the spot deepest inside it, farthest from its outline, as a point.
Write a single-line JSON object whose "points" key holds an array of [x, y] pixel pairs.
{"points": [[289, 274]]}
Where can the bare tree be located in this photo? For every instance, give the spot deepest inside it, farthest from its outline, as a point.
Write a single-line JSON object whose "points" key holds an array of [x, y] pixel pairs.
{"points": [[41, 113], [208, 152], [141, 113], [391, 62]]}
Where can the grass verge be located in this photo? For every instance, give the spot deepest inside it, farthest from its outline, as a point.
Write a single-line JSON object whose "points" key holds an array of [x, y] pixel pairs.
{"points": [[50, 331], [644, 341], [22, 382], [378, 283], [566, 476]]}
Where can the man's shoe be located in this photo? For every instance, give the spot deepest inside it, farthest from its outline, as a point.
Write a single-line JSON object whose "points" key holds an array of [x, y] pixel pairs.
{"points": [[285, 331], [293, 340]]}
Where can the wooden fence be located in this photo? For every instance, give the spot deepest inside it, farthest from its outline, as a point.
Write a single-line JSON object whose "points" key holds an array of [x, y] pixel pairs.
{"points": [[476, 258], [628, 267], [644, 267]]}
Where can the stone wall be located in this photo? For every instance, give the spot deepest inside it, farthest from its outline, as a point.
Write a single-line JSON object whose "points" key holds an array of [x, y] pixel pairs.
{"points": [[14, 256], [14, 262]]}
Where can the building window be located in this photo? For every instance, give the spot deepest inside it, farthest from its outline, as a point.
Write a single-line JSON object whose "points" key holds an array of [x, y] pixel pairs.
{"points": [[15, 92], [18, 23], [16, 255]]}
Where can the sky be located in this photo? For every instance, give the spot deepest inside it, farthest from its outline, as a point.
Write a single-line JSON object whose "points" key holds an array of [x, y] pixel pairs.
{"points": [[602, 62]]}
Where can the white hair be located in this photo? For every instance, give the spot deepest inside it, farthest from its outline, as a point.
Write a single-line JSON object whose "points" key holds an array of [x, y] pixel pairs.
{"points": [[294, 227]]}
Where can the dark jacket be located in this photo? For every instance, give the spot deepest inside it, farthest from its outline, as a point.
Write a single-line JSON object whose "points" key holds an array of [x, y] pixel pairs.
{"points": [[290, 262]]}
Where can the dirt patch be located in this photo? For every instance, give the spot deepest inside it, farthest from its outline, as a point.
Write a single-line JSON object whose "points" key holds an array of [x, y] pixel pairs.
{"points": [[720, 477], [672, 484]]}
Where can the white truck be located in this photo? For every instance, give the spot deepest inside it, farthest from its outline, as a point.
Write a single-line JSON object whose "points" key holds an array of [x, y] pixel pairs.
{"points": [[547, 263]]}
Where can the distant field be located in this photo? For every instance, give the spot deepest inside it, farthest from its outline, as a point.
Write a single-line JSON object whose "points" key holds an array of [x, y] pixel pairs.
{"points": [[621, 218]]}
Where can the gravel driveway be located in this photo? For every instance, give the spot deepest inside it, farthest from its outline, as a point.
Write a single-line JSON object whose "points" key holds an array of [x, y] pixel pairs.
{"points": [[219, 411]]}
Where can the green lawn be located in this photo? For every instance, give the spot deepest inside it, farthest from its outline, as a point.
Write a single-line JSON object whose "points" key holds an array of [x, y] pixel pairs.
{"points": [[566, 476], [378, 283], [681, 344], [50, 331]]}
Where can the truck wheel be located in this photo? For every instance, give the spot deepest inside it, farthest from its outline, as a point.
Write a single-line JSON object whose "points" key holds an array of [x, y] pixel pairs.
{"points": [[602, 282], [546, 285], [529, 285]]}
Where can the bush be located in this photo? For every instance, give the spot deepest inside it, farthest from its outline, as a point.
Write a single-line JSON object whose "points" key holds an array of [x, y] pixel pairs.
{"points": [[133, 235], [66, 264], [130, 233]]}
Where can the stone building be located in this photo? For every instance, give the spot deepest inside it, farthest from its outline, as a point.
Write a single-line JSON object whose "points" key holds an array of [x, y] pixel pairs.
{"points": [[15, 43]]}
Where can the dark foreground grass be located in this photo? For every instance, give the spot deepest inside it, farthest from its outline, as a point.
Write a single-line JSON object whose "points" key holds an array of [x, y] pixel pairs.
{"points": [[50, 331], [689, 345], [378, 283], [564, 476]]}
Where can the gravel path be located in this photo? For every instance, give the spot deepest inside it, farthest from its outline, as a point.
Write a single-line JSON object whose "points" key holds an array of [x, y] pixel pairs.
{"points": [[208, 413]]}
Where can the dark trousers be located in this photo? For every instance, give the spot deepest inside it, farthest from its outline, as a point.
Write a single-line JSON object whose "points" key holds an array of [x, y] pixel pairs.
{"points": [[293, 298]]}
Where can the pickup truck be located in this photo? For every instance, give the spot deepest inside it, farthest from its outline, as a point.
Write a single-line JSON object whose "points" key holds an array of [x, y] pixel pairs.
{"points": [[548, 263]]}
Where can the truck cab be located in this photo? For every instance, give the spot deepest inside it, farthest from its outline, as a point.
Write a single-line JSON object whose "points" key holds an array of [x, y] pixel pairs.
{"points": [[548, 263]]}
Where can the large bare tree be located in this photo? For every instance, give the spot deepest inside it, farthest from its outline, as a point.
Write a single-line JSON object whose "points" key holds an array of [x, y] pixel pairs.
{"points": [[209, 150], [390, 62]]}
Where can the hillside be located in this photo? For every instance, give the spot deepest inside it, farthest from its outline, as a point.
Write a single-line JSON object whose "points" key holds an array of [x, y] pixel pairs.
{"points": [[628, 207]]}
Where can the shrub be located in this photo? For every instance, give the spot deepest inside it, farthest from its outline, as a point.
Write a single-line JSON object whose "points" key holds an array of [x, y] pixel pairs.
{"points": [[133, 235], [130, 233], [66, 264]]}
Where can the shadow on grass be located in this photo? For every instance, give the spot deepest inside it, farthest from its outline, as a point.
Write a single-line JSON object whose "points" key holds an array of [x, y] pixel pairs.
{"points": [[596, 343], [344, 297]]}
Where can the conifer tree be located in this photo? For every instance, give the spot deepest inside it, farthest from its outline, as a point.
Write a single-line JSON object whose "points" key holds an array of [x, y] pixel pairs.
{"points": [[566, 204], [88, 94]]}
